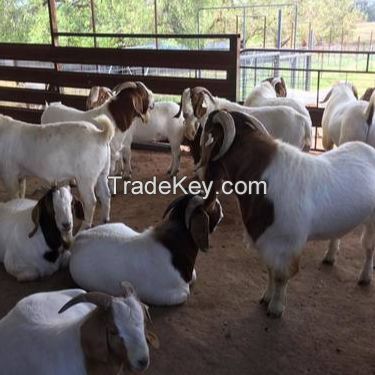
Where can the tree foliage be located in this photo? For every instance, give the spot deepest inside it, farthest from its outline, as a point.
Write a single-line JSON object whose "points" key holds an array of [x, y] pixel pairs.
{"points": [[27, 21]]}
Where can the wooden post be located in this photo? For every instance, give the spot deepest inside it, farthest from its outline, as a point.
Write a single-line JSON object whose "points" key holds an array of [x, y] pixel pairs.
{"points": [[54, 37], [53, 22], [93, 21], [156, 23]]}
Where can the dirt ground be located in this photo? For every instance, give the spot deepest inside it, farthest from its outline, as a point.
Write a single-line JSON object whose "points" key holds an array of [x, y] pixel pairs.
{"points": [[328, 327]]}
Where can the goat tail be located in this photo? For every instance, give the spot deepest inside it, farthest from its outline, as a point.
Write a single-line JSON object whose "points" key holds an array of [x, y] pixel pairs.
{"points": [[107, 127], [369, 113]]}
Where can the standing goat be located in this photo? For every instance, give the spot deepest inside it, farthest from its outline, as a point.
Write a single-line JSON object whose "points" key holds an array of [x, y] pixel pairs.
{"points": [[265, 95], [162, 125], [34, 233], [58, 152], [297, 206], [71, 332], [347, 119], [132, 99], [282, 122], [159, 262]]}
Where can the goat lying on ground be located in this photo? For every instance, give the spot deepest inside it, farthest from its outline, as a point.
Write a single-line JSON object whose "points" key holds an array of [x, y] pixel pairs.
{"points": [[297, 207], [345, 118], [162, 125], [265, 95], [33, 233], [76, 333], [132, 100], [159, 262], [58, 152], [282, 122]]}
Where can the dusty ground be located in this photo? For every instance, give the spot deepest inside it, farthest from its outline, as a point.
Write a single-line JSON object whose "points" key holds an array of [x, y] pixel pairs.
{"points": [[328, 327]]}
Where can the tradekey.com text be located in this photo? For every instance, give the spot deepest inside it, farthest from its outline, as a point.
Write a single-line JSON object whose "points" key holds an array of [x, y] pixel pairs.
{"points": [[176, 185]]}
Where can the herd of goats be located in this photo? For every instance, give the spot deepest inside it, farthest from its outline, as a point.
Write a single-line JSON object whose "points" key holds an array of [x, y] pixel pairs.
{"points": [[101, 328]]}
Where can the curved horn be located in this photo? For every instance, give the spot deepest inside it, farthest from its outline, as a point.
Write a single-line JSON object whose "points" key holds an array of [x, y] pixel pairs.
{"points": [[93, 96], [257, 124], [325, 100], [99, 299], [124, 85], [173, 204], [227, 123], [194, 203], [209, 95]]}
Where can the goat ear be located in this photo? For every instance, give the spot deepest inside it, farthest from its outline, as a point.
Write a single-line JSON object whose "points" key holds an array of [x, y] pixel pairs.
{"points": [[201, 106], [94, 338], [199, 229], [35, 216], [152, 339], [355, 91], [78, 209], [138, 106]]}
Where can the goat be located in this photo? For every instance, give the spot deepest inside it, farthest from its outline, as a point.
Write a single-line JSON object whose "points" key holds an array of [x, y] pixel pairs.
{"points": [[345, 118], [133, 99], [297, 207], [58, 152], [278, 85], [105, 255], [98, 95], [265, 95], [29, 253], [76, 333], [162, 125], [282, 122]]}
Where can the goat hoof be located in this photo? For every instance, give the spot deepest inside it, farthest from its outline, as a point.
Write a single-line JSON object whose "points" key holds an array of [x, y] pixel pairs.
{"points": [[127, 177], [328, 262], [275, 310], [264, 301]]}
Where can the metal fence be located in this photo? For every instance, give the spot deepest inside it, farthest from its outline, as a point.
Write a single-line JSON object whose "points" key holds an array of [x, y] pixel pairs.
{"points": [[309, 74]]}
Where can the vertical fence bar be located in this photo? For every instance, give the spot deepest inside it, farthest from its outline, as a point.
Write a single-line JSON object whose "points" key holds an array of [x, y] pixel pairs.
{"points": [[317, 106], [233, 73]]}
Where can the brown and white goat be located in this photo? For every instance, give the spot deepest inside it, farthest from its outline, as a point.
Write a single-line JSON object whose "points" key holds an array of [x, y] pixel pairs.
{"points": [[296, 206], [74, 332]]}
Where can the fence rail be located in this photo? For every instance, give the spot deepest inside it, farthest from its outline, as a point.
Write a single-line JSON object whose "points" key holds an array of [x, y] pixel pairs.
{"points": [[28, 64]]}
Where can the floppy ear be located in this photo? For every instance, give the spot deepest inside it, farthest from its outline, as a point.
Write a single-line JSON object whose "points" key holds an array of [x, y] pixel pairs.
{"points": [[78, 209], [35, 216], [138, 106], [201, 107], [152, 339], [199, 229], [94, 338], [327, 96]]}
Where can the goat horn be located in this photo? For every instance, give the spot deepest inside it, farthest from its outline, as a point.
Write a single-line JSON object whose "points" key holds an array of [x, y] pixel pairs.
{"points": [[124, 85], [99, 299], [209, 94], [173, 205], [327, 96], [257, 124], [193, 204], [227, 123], [94, 94]]}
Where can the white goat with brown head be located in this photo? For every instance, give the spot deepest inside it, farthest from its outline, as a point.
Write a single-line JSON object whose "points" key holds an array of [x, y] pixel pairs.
{"points": [[282, 122], [77, 333], [34, 234]]}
